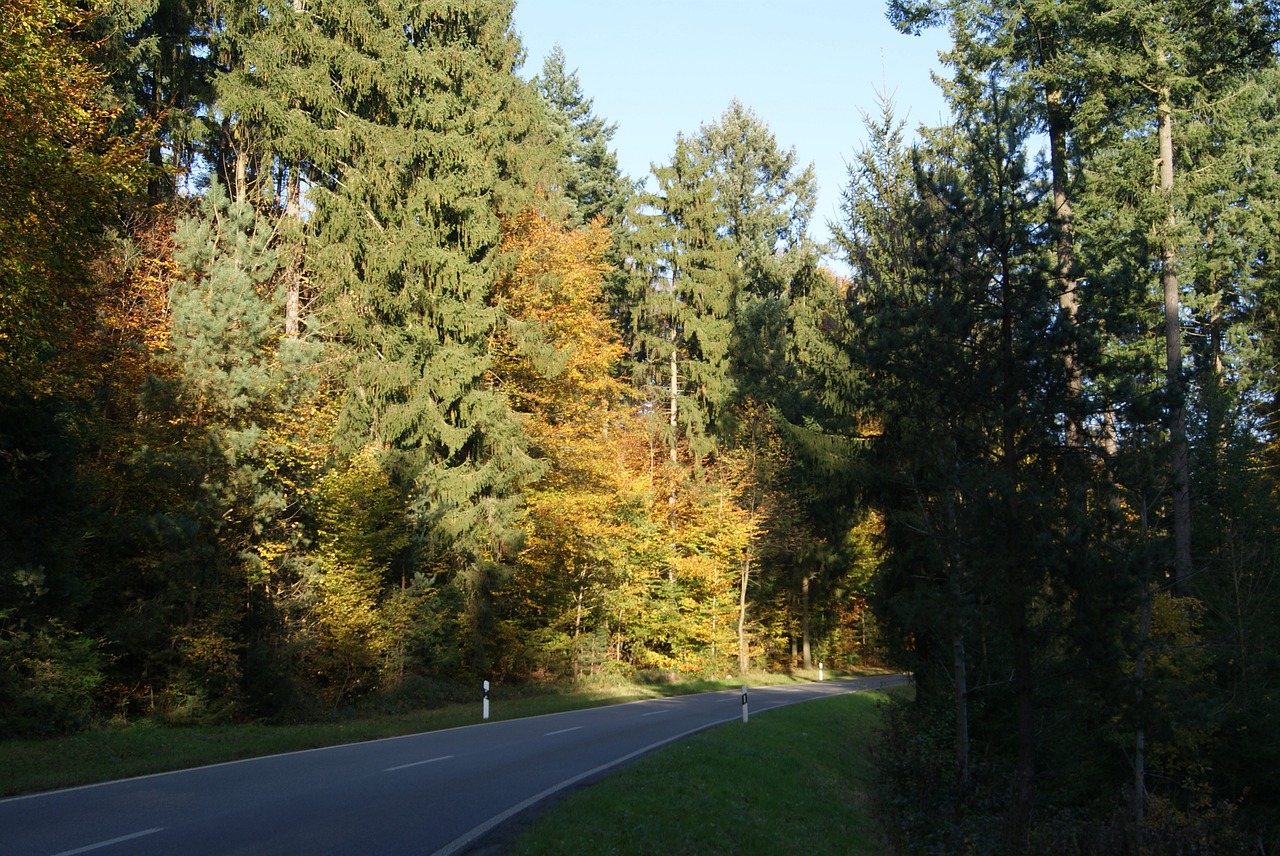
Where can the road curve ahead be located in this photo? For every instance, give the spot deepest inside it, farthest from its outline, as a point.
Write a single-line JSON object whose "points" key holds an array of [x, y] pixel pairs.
{"points": [[434, 793]]}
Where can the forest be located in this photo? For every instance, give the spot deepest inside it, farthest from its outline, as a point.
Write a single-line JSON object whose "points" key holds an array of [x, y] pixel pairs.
{"points": [[339, 361]]}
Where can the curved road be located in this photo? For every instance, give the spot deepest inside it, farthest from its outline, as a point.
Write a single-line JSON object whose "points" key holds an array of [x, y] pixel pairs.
{"points": [[434, 793]]}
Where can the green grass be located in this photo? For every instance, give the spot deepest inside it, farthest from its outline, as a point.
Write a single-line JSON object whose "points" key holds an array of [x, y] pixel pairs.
{"points": [[791, 780], [146, 747]]}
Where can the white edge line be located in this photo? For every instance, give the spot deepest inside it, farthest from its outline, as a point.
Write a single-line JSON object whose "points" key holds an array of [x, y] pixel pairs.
{"points": [[469, 837], [38, 794], [119, 840], [418, 763]]}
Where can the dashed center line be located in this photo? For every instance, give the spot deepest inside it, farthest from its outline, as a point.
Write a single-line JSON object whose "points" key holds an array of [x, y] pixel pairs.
{"points": [[418, 763], [655, 712], [564, 730], [101, 844]]}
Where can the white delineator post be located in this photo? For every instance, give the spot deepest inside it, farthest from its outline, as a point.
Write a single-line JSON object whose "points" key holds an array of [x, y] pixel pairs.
{"points": [[486, 699], [744, 703], [819, 671]]}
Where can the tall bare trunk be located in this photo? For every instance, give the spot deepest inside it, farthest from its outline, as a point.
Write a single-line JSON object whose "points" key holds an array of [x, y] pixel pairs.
{"points": [[744, 660], [962, 709], [293, 272], [1179, 463], [671, 494], [1068, 300], [241, 164], [674, 392], [805, 646]]}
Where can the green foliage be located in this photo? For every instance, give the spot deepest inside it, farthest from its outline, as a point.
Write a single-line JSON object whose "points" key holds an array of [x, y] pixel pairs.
{"points": [[223, 313], [64, 174], [159, 62], [406, 241], [1103, 647], [718, 791], [359, 426], [593, 183], [49, 678], [363, 535], [685, 270]]}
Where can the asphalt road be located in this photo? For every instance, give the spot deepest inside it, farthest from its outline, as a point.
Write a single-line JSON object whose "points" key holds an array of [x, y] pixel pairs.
{"points": [[436, 793]]}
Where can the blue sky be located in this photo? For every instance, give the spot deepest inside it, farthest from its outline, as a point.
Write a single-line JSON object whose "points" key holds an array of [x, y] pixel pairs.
{"points": [[808, 68]]}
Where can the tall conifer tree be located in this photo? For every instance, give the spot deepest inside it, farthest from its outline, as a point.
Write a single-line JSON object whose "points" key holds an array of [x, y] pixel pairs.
{"points": [[593, 183], [688, 279], [432, 139]]}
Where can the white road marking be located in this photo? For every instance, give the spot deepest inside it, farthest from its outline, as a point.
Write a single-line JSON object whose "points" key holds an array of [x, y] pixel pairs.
{"points": [[655, 712], [564, 730], [418, 763], [101, 844]]}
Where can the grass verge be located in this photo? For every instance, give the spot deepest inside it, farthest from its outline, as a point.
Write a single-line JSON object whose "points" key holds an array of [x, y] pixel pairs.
{"points": [[793, 780], [140, 748]]}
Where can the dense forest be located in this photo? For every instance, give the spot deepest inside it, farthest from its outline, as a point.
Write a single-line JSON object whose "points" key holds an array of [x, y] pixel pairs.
{"points": [[338, 362]]}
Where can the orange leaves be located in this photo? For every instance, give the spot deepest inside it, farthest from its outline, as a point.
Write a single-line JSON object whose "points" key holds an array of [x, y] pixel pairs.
{"points": [[127, 327], [62, 168], [556, 360]]}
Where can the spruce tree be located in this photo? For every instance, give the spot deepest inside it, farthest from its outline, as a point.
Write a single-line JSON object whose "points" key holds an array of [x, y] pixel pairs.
{"points": [[953, 308], [160, 59], [727, 228], [767, 198], [688, 276], [1113, 87], [593, 183], [431, 140]]}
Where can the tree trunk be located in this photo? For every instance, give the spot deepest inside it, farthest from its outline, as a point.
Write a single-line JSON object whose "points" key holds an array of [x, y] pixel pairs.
{"points": [[1179, 463], [241, 165], [1068, 300], [805, 647], [1017, 593], [577, 633], [673, 421], [672, 418], [1139, 675], [293, 271], [744, 660], [962, 710]]}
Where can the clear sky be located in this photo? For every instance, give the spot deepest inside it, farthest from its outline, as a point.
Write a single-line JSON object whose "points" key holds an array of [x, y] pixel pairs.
{"points": [[809, 68]]}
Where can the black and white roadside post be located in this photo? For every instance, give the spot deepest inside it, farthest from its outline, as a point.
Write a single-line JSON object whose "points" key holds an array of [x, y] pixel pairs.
{"points": [[744, 703], [819, 671], [486, 699]]}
